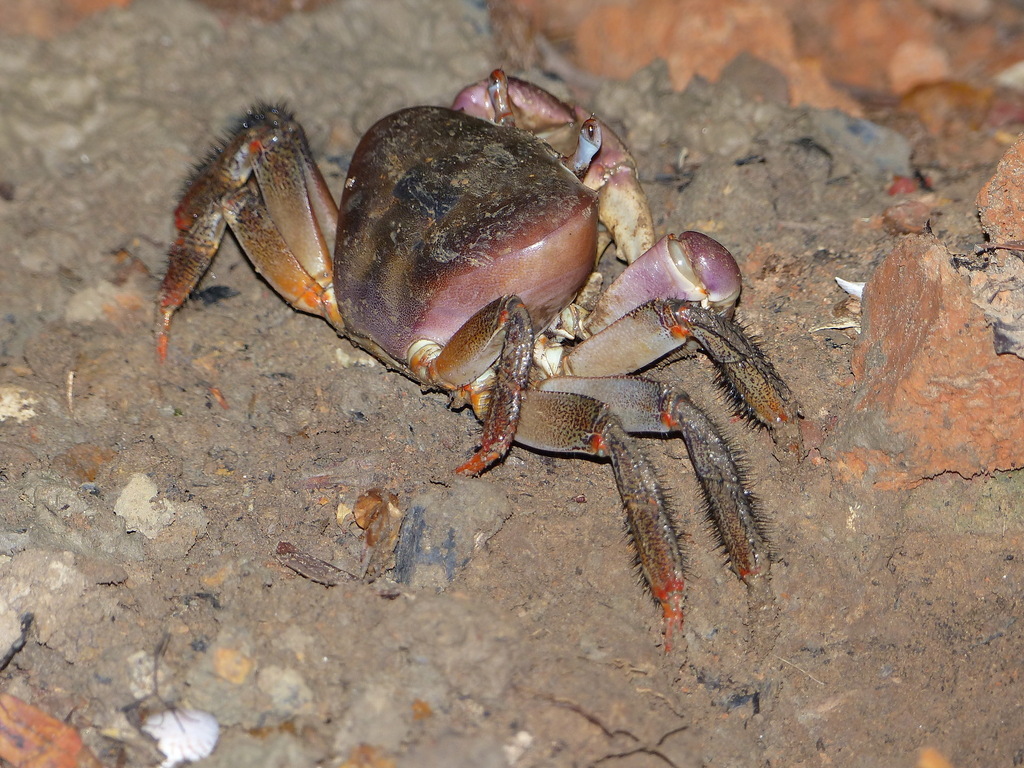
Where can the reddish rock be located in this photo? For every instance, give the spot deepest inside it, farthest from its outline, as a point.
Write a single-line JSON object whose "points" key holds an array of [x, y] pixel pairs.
{"points": [[701, 37], [865, 34], [907, 217], [1001, 201], [915, 63], [951, 111], [49, 18], [997, 288], [933, 396]]}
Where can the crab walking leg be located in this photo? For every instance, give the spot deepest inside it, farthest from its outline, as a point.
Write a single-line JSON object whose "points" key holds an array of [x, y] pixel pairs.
{"points": [[289, 188], [500, 331], [188, 259], [658, 327], [646, 406], [567, 422]]}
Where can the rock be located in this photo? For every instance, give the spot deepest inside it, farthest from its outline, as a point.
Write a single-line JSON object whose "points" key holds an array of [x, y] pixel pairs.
{"points": [[103, 300], [179, 524], [997, 288], [52, 587], [907, 217], [700, 38], [915, 63], [444, 528], [870, 147], [861, 38], [17, 404], [289, 694], [232, 665], [933, 396], [138, 507], [1001, 201]]}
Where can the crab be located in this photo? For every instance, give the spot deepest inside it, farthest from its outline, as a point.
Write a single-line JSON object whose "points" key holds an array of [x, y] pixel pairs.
{"points": [[464, 254]]}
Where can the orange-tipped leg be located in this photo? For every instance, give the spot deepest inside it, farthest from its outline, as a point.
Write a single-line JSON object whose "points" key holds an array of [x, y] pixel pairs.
{"points": [[500, 331], [568, 422], [264, 185], [649, 407]]}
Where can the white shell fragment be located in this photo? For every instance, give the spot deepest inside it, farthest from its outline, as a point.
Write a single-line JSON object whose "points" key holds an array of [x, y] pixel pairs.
{"points": [[183, 735], [854, 289]]}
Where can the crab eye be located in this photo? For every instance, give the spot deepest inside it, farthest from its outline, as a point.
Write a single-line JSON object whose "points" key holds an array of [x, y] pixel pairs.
{"points": [[587, 147]]}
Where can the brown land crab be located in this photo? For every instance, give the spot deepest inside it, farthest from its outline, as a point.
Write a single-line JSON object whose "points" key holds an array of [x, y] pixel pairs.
{"points": [[463, 254]]}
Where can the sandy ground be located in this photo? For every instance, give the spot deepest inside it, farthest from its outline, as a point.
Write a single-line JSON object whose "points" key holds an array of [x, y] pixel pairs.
{"points": [[138, 501]]}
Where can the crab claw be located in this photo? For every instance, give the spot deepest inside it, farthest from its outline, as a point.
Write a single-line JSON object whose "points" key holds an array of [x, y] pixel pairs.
{"points": [[511, 101], [610, 170], [712, 266], [690, 267]]}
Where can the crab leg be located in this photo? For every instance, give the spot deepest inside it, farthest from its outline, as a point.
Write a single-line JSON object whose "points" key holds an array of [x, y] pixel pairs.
{"points": [[265, 173], [646, 406], [658, 327], [567, 422], [500, 331]]}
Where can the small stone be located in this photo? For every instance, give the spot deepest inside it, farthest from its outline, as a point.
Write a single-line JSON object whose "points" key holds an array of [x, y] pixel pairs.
{"points": [[907, 217], [232, 665], [105, 301], [142, 510], [16, 404], [443, 529], [289, 694], [138, 507]]}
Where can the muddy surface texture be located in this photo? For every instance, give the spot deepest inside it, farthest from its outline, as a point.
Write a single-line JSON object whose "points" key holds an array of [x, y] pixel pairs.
{"points": [[139, 501]]}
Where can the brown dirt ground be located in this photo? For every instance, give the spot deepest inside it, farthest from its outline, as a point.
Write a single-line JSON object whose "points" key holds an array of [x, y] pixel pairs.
{"points": [[890, 620]]}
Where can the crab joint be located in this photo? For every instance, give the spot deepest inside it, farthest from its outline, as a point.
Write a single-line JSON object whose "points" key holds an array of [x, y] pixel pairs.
{"points": [[423, 359]]}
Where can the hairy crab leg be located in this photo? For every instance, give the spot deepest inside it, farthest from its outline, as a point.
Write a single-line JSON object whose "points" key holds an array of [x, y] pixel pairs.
{"points": [[567, 422], [500, 331], [267, 145], [647, 406], [658, 327]]}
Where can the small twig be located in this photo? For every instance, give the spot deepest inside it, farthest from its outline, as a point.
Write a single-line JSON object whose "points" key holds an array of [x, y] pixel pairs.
{"points": [[1012, 245], [69, 391], [158, 653], [801, 669]]}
